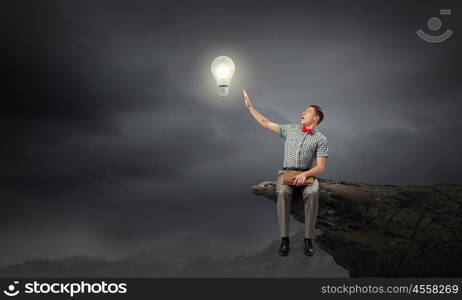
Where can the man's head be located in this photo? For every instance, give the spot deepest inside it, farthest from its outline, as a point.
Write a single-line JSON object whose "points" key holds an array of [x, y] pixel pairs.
{"points": [[312, 115]]}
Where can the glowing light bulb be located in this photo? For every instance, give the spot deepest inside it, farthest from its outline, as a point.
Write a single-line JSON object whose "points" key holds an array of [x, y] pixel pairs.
{"points": [[223, 70]]}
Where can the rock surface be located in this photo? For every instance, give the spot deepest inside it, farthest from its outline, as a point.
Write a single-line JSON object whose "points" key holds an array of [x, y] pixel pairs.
{"points": [[386, 230]]}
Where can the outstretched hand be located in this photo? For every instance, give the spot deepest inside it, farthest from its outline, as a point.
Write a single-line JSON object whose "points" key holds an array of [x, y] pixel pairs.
{"points": [[246, 98]]}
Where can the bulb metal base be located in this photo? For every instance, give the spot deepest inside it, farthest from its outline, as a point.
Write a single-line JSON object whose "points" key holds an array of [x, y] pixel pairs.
{"points": [[223, 90]]}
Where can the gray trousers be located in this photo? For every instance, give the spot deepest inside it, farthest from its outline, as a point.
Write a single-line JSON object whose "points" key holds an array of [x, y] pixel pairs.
{"points": [[310, 198]]}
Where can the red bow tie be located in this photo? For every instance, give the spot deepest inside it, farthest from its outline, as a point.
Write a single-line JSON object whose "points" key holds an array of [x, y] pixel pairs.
{"points": [[304, 129]]}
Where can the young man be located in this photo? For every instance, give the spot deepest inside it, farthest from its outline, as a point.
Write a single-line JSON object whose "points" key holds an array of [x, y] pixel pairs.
{"points": [[303, 144]]}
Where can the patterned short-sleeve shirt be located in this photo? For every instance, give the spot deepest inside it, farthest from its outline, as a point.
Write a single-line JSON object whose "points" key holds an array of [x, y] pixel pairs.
{"points": [[301, 148]]}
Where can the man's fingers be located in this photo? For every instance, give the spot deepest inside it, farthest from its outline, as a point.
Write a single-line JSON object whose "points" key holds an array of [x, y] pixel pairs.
{"points": [[298, 180], [246, 97]]}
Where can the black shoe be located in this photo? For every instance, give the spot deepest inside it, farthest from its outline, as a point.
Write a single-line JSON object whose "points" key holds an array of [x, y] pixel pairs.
{"points": [[308, 248], [284, 248]]}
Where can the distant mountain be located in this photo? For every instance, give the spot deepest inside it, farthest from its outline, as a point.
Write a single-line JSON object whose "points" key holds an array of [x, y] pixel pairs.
{"points": [[182, 258]]}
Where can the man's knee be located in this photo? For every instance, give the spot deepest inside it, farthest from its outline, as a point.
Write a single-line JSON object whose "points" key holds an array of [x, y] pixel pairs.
{"points": [[284, 191], [284, 197], [312, 189], [309, 192]]}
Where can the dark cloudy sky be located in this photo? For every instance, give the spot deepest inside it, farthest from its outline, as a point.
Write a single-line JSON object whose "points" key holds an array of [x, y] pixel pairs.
{"points": [[114, 137]]}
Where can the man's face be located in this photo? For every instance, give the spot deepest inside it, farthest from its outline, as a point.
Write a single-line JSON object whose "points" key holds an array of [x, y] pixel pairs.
{"points": [[308, 117]]}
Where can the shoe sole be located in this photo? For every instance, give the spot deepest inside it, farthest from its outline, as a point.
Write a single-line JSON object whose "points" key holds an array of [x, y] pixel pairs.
{"points": [[307, 253], [284, 254]]}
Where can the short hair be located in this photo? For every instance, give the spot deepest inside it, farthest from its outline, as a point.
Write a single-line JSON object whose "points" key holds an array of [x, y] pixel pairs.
{"points": [[318, 111]]}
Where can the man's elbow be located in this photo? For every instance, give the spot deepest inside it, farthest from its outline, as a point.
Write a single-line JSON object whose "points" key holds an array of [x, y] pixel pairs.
{"points": [[321, 169]]}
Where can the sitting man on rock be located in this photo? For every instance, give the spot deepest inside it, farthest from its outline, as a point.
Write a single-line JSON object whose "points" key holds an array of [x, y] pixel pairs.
{"points": [[303, 143]]}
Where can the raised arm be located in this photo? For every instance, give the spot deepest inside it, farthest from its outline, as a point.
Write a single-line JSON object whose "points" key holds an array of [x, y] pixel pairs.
{"points": [[264, 122]]}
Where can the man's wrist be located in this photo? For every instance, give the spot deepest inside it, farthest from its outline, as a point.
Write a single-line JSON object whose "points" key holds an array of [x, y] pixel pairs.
{"points": [[307, 173]]}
